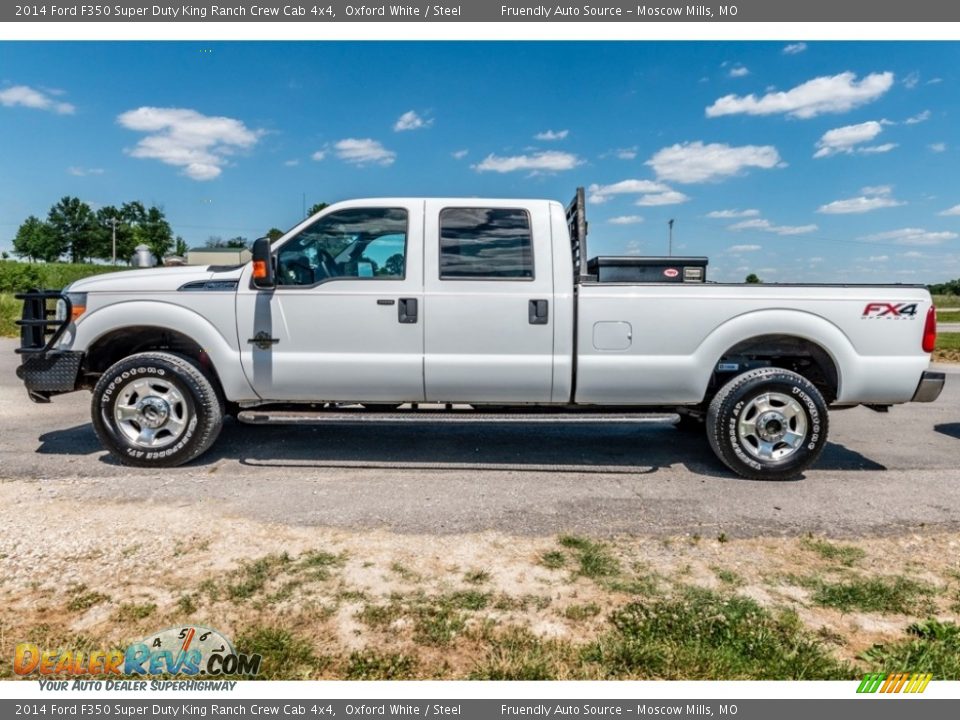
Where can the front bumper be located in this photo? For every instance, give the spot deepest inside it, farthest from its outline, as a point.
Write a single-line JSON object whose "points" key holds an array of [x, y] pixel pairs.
{"points": [[45, 370], [50, 373], [929, 387]]}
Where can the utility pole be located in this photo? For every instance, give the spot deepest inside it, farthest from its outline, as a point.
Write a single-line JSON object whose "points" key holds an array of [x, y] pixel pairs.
{"points": [[670, 237], [113, 222]]}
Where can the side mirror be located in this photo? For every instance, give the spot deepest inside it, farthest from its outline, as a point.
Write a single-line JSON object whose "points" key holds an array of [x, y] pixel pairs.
{"points": [[263, 276]]}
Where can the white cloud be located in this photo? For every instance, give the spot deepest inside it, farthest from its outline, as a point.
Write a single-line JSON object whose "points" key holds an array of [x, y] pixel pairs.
{"points": [[912, 236], [794, 48], [552, 135], [292, 163], [874, 149], [744, 248], [912, 254], [934, 81], [28, 97], [410, 120], [629, 153], [878, 258], [827, 94], [847, 138], [459, 154], [602, 193], [937, 147], [626, 220], [364, 151], [911, 80], [877, 190], [548, 161], [83, 172], [766, 225], [955, 210], [918, 118], [670, 197], [319, 155], [199, 144], [874, 197], [739, 71], [695, 162], [730, 214]]}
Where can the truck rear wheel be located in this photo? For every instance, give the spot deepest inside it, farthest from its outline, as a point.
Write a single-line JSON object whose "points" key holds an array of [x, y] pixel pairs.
{"points": [[156, 409], [768, 424]]}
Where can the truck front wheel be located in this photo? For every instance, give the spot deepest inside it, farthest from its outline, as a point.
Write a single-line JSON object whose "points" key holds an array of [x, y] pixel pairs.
{"points": [[768, 424], [156, 409]]}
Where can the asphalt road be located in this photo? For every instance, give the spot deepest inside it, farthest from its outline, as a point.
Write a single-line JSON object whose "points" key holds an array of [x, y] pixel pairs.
{"points": [[880, 473]]}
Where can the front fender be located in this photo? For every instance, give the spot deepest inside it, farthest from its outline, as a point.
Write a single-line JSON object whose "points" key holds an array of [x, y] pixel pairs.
{"points": [[222, 351]]}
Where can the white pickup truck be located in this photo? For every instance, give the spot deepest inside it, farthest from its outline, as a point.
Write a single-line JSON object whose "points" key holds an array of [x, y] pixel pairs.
{"points": [[471, 305]]}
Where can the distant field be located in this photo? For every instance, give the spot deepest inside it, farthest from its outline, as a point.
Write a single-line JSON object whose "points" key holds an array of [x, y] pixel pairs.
{"points": [[947, 301]]}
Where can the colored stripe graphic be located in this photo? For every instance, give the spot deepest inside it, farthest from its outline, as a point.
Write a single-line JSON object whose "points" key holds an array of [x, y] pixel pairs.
{"points": [[894, 683]]}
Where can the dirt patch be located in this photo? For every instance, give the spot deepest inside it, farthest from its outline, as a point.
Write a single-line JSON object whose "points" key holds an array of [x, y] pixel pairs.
{"points": [[374, 603]]}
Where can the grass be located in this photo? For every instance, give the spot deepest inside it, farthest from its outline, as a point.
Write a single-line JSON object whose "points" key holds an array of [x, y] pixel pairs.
{"points": [[285, 655], [581, 612], [932, 646], [882, 595], [846, 555], [706, 635], [594, 558], [83, 599], [948, 347], [372, 665], [553, 559], [10, 311], [947, 301], [131, 612]]}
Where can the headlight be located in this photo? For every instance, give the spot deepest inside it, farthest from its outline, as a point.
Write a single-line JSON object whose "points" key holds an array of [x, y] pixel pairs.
{"points": [[78, 306]]}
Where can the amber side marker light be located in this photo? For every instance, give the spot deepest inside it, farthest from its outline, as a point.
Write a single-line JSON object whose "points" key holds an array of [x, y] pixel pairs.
{"points": [[259, 269]]}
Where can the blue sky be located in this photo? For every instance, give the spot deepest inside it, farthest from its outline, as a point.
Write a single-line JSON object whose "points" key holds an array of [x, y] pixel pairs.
{"points": [[819, 161]]}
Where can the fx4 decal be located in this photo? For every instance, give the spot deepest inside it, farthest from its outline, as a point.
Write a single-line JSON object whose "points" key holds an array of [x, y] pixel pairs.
{"points": [[890, 311]]}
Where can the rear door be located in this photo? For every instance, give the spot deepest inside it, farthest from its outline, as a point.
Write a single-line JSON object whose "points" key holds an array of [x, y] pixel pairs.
{"points": [[488, 297]]}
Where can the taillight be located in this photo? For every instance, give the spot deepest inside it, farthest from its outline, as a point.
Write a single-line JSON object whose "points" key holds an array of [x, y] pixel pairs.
{"points": [[930, 330]]}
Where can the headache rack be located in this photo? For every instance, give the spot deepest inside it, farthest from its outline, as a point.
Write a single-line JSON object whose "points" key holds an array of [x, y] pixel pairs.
{"points": [[39, 328], [577, 223]]}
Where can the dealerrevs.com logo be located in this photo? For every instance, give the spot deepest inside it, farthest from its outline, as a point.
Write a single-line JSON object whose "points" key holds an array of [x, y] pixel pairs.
{"points": [[190, 651]]}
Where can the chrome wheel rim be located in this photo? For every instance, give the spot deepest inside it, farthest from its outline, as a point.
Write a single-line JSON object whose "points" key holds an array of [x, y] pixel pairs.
{"points": [[151, 412], [772, 427]]}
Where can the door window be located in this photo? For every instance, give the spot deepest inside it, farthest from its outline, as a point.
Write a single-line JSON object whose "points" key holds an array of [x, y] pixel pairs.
{"points": [[485, 243], [357, 243]]}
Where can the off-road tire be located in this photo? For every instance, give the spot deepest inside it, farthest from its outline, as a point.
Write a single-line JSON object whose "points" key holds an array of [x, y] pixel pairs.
{"points": [[735, 398], [204, 409]]}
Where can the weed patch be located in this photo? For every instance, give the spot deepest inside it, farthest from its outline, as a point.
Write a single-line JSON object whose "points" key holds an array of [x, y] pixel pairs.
{"points": [[706, 635], [883, 595]]}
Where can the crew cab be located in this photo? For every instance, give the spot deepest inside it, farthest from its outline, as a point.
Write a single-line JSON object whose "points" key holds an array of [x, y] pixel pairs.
{"points": [[471, 305]]}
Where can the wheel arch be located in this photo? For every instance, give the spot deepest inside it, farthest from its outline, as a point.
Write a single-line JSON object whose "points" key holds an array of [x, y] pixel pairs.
{"points": [[795, 340], [117, 331]]}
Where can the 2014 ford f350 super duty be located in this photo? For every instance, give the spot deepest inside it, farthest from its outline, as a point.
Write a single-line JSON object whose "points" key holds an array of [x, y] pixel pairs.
{"points": [[475, 305]]}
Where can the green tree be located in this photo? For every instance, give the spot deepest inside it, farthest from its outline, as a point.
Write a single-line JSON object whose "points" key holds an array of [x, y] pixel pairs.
{"points": [[35, 240], [180, 247], [73, 223], [106, 218], [274, 234], [4, 255], [752, 279], [317, 207], [155, 231]]}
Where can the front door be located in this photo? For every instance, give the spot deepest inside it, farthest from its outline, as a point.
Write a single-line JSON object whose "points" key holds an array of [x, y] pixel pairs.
{"points": [[345, 320]]}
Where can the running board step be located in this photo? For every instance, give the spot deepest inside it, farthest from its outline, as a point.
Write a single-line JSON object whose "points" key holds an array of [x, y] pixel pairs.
{"points": [[320, 417]]}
